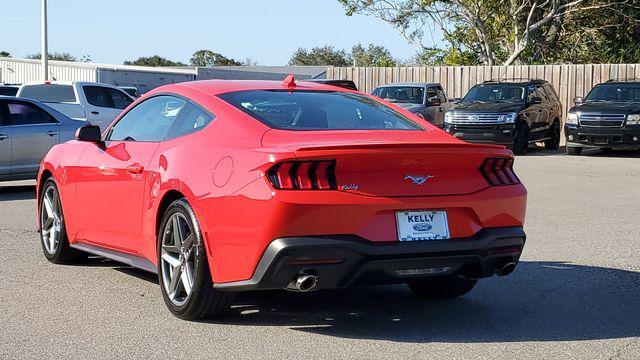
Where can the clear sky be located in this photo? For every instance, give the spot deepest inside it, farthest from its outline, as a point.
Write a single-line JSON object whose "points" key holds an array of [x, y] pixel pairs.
{"points": [[267, 31]]}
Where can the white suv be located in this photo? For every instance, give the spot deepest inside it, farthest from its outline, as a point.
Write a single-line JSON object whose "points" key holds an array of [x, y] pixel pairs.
{"points": [[96, 103]]}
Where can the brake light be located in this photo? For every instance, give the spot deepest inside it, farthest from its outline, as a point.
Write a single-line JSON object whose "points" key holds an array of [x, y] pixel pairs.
{"points": [[499, 171], [304, 175]]}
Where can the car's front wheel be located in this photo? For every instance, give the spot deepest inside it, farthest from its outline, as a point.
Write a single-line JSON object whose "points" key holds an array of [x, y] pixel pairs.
{"points": [[53, 233], [447, 287], [183, 271]]}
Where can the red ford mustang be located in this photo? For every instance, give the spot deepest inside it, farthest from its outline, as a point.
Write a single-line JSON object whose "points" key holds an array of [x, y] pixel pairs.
{"points": [[227, 186]]}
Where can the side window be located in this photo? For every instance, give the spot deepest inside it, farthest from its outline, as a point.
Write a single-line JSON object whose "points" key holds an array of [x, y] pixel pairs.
{"points": [[26, 114], [441, 95], [551, 93], [96, 96], [536, 91], [148, 121], [119, 99], [376, 92], [192, 119], [431, 92]]}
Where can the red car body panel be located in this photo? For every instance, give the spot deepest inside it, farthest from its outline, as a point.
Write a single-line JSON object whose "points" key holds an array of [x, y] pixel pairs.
{"points": [[111, 195]]}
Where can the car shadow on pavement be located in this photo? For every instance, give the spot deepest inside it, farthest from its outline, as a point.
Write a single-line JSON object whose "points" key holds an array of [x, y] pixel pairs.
{"points": [[21, 192], [541, 301]]}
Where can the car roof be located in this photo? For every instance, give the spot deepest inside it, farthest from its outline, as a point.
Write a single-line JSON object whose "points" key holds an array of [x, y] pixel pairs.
{"points": [[622, 81], [515, 81], [69, 83], [410, 84], [215, 87]]}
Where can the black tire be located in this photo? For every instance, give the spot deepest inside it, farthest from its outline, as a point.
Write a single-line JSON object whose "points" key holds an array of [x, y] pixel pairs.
{"points": [[441, 287], [521, 140], [203, 301], [553, 143], [59, 251], [573, 150]]}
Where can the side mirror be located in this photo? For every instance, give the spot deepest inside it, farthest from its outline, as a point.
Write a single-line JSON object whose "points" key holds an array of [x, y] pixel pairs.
{"points": [[89, 133], [535, 100], [578, 100], [433, 101]]}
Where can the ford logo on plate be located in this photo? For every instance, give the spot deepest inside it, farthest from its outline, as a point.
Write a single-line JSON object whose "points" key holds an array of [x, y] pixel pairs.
{"points": [[422, 227]]}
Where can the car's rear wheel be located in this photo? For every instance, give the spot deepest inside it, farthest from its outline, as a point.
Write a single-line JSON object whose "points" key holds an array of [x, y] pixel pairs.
{"points": [[53, 233], [553, 143], [574, 150], [447, 287], [183, 271], [521, 140]]}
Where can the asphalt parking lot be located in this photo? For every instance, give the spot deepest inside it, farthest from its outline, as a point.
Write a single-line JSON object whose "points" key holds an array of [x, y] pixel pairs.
{"points": [[575, 294]]}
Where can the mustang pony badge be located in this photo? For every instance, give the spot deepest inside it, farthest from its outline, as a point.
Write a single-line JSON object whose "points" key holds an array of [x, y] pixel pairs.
{"points": [[418, 180]]}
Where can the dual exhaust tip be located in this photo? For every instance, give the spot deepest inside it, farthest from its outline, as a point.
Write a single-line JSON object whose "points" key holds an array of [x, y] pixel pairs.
{"points": [[304, 282]]}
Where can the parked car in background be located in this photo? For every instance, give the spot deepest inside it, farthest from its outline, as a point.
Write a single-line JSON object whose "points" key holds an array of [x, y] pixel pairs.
{"points": [[96, 103], [427, 100], [229, 186], [28, 129], [131, 90], [607, 118], [8, 90], [347, 84], [515, 113]]}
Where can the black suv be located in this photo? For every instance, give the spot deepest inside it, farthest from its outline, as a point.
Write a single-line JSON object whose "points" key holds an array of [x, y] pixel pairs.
{"points": [[514, 112], [608, 118]]}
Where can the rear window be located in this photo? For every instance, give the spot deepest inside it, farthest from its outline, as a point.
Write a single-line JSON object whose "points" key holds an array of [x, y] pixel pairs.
{"points": [[8, 90], [49, 93], [318, 110]]}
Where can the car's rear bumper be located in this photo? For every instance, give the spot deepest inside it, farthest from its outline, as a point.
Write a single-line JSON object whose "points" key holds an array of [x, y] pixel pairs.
{"points": [[603, 137], [339, 261], [483, 133]]}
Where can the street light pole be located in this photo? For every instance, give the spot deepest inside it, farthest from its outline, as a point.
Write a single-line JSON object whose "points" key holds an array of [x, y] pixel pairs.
{"points": [[43, 40]]}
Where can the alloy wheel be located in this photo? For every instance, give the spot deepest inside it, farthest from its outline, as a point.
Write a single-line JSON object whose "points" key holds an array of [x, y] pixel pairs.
{"points": [[178, 255], [51, 220]]}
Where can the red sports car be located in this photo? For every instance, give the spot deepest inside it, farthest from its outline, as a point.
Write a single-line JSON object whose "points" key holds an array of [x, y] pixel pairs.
{"points": [[227, 186]]}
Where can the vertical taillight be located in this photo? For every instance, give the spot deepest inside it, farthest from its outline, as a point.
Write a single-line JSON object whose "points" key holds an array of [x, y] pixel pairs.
{"points": [[499, 171], [304, 175]]}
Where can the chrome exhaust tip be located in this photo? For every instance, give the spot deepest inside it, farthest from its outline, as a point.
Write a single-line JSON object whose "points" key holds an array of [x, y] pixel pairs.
{"points": [[506, 269], [303, 282]]}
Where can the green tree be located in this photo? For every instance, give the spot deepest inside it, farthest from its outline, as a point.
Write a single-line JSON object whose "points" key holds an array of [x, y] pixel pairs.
{"points": [[505, 32], [321, 56], [54, 56], [208, 58], [154, 60], [372, 55], [4, 53]]}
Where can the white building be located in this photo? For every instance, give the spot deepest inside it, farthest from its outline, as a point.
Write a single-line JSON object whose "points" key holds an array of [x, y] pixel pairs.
{"points": [[20, 71]]}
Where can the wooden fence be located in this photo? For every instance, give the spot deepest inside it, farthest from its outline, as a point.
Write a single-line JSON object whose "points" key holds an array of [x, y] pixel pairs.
{"points": [[568, 80]]}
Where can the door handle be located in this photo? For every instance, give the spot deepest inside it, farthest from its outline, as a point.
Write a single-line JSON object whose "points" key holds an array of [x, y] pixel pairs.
{"points": [[3, 136], [135, 169], [95, 113], [52, 133]]}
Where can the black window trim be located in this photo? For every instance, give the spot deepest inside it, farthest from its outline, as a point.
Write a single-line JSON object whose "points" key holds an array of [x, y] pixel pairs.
{"points": [[4, 111], [418, 126], [137, 103]]}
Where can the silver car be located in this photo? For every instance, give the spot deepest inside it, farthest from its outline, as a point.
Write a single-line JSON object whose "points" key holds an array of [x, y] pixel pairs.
{"points": [[28, 129], [426, 100]]}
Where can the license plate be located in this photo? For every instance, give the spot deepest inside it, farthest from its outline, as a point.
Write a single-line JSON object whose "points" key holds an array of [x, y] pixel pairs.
{"points": [[422, 225]]}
